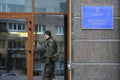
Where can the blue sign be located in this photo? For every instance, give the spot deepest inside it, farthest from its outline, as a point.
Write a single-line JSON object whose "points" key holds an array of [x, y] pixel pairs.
{"points": [[97, 17]]}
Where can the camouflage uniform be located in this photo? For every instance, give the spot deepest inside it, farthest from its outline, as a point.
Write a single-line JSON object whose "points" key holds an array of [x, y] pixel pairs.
{"points": [[48, 62]]}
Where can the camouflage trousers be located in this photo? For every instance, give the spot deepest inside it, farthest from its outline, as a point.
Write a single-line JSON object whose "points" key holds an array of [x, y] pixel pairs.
{"points": [[48, 71]]}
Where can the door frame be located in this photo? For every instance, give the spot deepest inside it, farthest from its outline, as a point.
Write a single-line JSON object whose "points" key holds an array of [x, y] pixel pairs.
{"points": [[30, 30]]}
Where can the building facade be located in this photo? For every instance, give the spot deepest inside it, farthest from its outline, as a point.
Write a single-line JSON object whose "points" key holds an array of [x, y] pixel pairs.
{"points": [[88, 44], [96, 51]]}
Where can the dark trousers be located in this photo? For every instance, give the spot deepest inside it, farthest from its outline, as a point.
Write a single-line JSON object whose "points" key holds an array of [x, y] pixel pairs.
{"points": [[48, 71]]}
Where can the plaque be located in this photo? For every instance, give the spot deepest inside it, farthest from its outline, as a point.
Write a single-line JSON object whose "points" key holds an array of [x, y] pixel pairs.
{"points": [[97, 17]]}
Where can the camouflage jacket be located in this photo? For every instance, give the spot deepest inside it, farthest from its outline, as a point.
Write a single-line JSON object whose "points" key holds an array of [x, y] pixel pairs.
{"points": [[50, 48], [50, 53]]}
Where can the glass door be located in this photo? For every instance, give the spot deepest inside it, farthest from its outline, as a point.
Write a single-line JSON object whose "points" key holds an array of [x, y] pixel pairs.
{"points": [[56, 24], [51, 15], [14, 51]]}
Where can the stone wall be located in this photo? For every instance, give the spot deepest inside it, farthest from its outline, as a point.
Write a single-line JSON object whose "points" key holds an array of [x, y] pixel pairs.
{"points": [[95, 53]]}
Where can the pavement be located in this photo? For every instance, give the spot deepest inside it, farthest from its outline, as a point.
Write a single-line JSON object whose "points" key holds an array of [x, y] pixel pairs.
{"points": [[24, 78]]}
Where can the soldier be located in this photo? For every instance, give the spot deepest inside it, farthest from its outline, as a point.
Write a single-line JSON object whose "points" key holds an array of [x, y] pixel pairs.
{"points": [[50, 56]]}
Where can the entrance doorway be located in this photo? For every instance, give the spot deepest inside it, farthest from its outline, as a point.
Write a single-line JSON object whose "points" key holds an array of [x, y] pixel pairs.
{"points": [[57, 24]]}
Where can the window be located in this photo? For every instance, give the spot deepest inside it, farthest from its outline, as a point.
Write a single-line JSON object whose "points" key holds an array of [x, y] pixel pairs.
{"points": [[12, 8], [59, 65], [2, 63], [40, 29], [53, 6], [37, 65], [16, 27], [2, 44], [10, 26], [21, 45], [16, 45], [16, 8], [59, 30]]}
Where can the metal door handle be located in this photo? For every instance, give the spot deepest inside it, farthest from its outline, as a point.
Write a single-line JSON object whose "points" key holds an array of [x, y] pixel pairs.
{"points": [[69, 66]]}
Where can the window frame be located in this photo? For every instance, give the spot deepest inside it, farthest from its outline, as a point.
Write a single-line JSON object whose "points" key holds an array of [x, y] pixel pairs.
{"points": [[59, 30]]}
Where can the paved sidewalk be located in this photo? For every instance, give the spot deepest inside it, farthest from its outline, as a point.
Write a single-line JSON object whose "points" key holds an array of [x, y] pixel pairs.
{"points": [[24, 78]]}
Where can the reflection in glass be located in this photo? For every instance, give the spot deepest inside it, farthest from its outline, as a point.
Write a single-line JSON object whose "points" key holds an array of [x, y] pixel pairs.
{"points": [[54, 23], [50, 5], [13, 41], [15, 5]]}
